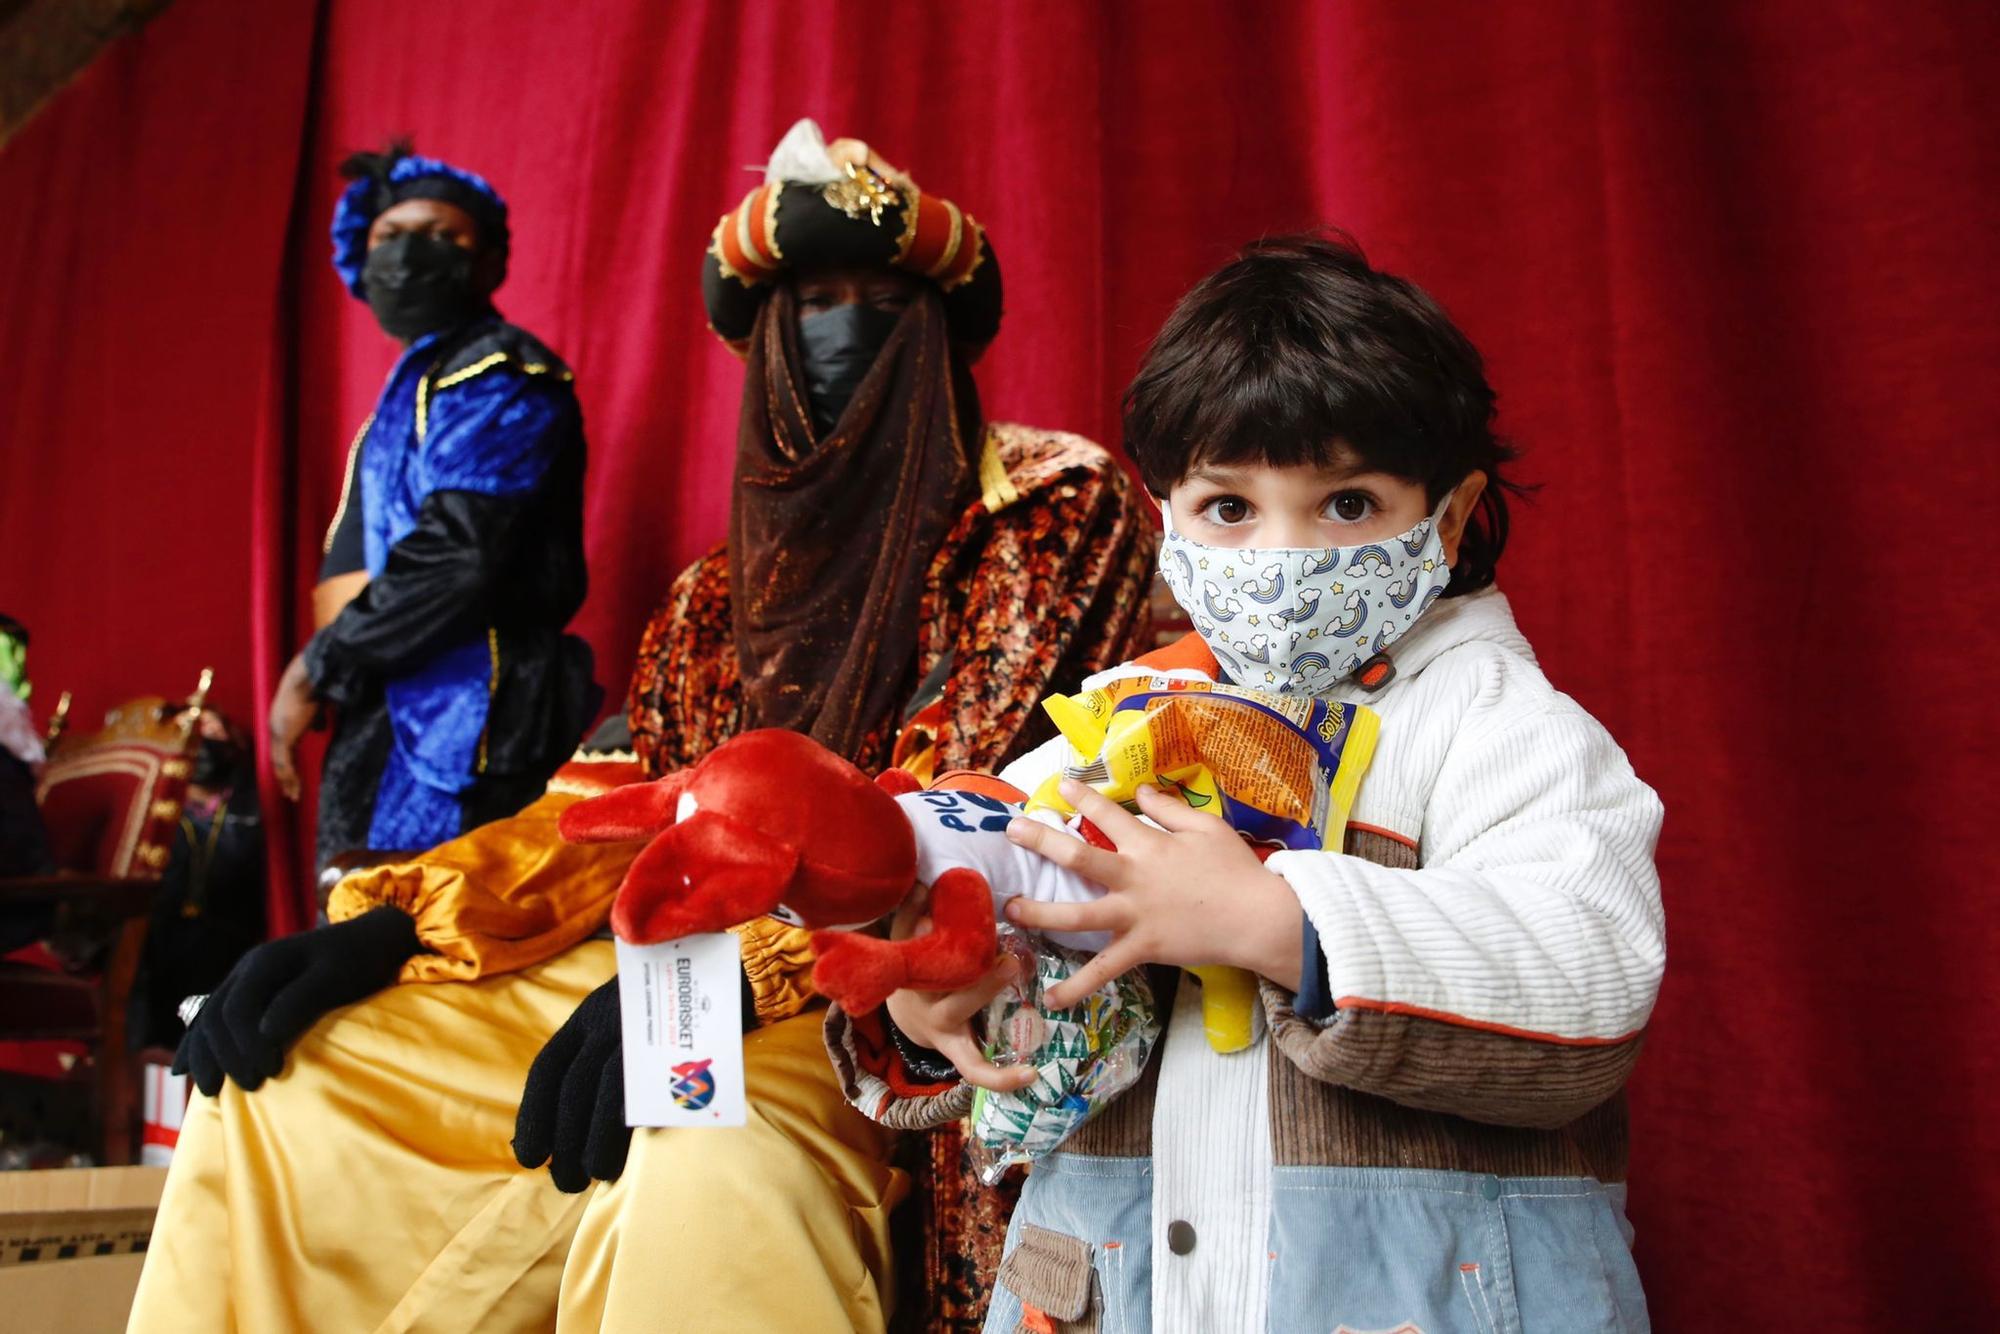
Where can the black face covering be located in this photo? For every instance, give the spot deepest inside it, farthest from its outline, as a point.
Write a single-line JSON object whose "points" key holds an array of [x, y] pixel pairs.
{"points": [[836, 348], [214, 764], [417, 284]]}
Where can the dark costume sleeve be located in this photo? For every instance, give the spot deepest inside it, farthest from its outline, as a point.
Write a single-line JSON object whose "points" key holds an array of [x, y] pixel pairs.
{"points": [[489, 450]]}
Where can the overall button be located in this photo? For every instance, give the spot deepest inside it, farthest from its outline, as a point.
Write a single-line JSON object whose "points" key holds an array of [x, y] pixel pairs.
{"points": [[1490, 1188], [1180, 1237]]}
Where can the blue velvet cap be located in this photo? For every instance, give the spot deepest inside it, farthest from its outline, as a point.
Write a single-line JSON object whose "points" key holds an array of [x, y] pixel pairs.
{"points": [[408, 176]]}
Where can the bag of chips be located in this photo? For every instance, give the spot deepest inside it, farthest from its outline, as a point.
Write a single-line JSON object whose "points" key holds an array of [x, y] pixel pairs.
{"points": [[1281, 770]]}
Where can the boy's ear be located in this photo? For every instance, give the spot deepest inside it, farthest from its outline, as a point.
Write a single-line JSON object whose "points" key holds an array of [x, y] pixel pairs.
{"points": [[1458, 513]]}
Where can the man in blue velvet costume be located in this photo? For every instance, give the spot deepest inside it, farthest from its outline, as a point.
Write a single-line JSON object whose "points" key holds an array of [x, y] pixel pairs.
{"points": [[455, 691]]}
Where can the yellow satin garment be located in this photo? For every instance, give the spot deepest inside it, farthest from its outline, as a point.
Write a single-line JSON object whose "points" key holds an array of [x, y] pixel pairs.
{"points": [[371, 1186], [501, 897]]}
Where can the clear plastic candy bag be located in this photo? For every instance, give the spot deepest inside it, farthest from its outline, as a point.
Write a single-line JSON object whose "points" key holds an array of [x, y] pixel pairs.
{"points": [[1084, 1056]]}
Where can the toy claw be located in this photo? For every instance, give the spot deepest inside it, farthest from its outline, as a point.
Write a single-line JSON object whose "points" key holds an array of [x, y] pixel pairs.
{"points": [[705, 872], [770, 821], [860, 972], [625, 814], [1228, 1006]]}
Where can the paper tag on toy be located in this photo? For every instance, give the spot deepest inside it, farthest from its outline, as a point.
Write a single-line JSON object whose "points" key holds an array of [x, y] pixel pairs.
{"points": [[681, 1010]]}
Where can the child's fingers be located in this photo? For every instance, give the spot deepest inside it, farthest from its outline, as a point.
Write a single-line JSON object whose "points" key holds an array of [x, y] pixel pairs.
{"points": [[959, 1006], [1109, 913], [964, 1053], [1172, 814], [1112, 820], [1065, 850], [1116, 959]]}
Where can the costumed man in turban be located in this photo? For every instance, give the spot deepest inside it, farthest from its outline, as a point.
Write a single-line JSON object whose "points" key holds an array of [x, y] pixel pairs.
{"points": [[903, 580], [456, 692]]}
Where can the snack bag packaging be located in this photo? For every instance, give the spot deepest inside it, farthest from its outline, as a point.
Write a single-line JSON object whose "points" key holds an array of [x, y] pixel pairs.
{"points": [[1282, 770], [1083, 1056]]}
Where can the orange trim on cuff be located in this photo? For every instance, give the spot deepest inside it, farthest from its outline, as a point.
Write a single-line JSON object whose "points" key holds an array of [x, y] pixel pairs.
{"points": [[1460, 1021], [971, 780], [1379, 831]]}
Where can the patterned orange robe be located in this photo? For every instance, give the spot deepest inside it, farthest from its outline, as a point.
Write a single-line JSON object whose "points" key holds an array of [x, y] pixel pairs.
{"points": [[1042, 581]]}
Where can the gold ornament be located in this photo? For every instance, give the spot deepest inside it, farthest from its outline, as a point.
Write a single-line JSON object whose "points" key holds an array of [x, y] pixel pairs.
{"points": [[861, 191]]}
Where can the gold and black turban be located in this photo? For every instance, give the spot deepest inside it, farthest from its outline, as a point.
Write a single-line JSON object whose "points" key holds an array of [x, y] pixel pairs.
{"points": [[863, 219]]}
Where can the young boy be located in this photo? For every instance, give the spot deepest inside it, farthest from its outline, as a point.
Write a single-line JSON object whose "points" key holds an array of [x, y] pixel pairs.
{"points": [[1431, 1135]]}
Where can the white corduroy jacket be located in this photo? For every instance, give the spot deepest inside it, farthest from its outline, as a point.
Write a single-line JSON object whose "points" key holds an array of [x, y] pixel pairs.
{"points": [[1491, 982]]}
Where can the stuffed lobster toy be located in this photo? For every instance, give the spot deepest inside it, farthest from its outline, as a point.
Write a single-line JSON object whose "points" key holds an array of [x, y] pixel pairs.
{"points": [[771, 822]]}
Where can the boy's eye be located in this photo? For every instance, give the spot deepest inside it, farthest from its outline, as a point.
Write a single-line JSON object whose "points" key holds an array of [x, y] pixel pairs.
{"points": [[1350, 507], [1226, 510]]}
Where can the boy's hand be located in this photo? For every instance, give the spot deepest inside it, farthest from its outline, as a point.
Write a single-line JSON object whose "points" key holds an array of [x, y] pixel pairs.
{"points": [[1190, 892], [942, 1020]]}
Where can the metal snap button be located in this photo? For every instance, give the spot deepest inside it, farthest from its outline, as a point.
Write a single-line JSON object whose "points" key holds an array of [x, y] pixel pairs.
{"points": [[1180, 1237], [1490, 1188]]}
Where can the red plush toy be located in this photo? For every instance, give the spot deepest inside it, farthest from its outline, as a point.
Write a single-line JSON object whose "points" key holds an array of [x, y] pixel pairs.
{"points": [[771, 822]]}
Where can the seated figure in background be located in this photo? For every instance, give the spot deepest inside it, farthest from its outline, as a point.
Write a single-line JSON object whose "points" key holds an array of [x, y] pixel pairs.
{"points": [[903, 580], [24, 843], [210, 907], [456, 693]]}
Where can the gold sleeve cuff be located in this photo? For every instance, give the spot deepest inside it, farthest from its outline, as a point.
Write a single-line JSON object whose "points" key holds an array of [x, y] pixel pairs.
{"points": [[778, 959], [506, 896]]}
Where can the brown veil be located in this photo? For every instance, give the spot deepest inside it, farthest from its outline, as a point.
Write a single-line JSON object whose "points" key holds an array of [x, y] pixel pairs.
{"points": [[830, 540]]}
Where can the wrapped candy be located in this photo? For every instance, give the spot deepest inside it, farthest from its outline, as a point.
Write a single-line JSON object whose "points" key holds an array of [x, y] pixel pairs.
{"points": [[1083, 1056]]}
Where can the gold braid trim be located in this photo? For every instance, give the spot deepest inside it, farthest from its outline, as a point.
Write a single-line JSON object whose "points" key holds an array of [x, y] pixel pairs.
{"points": [[978, 256], [492, 689], [912, 204], [346, 484], [721, 260], [772, 194], [485, 363], [997, 489], [489, 362]]}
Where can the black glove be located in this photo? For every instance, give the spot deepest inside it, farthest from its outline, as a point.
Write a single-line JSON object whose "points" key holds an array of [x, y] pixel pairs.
{"points": [[572, 1113], [281, 988]]}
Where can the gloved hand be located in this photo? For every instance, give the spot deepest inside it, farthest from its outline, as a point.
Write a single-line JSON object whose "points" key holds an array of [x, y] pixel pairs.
{"points": [[281, 988], [572, 1113]]}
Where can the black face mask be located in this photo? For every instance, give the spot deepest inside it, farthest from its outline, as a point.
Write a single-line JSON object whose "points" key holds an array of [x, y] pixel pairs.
{"points": [[836, 348], [417, 284], [214, 764]]}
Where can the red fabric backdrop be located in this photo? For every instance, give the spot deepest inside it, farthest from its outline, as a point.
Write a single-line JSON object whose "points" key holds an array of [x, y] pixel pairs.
{"points": [[1732, 265]]}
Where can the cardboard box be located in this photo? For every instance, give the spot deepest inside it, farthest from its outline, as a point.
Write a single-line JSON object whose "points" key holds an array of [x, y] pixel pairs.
{"points": [[72, 1244]]}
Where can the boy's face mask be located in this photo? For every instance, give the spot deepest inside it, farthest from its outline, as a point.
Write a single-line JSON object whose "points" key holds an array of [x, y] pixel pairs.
{"points": [[1296, 620]]}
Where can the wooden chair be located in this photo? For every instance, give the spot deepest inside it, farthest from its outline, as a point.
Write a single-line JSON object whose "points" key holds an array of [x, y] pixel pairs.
{"points": [[111, 803]]}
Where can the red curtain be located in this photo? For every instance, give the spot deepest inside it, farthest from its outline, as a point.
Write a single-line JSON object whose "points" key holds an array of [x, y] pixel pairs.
{"points": [[1733, 267]]}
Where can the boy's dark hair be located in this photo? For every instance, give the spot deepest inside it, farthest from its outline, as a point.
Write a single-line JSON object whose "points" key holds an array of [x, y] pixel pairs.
{"points": [[1299, 352]]}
